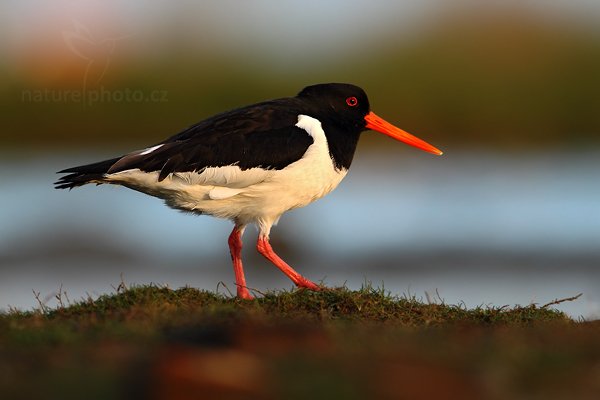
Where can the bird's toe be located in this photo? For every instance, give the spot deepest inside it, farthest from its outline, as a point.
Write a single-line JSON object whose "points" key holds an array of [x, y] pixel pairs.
{"points": [[306, 284], [244, 294]]}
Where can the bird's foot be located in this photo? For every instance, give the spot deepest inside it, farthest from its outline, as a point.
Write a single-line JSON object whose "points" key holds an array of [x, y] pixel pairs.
{"points": [[306, 284], [244, 294]]}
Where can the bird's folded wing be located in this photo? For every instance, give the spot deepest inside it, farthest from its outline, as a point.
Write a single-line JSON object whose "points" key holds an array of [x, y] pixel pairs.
{"points": [[256, 137]]}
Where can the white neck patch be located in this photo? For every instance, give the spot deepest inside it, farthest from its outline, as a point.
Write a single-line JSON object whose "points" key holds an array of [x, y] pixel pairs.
{"points": [[312, 126]]}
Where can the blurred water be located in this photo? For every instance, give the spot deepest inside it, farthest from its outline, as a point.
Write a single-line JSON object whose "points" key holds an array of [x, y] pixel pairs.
{"points": [[479, 227]]}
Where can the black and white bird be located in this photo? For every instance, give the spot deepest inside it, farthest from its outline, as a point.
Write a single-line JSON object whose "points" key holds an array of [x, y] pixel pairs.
{"points": [[252, 164]]}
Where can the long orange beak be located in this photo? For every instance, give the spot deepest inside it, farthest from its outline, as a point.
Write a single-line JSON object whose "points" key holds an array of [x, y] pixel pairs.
{"points": [[381, 125]]}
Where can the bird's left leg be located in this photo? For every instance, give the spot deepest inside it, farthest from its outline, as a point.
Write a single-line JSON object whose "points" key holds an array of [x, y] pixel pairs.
{"points": [[235, 247], [264, 247]]}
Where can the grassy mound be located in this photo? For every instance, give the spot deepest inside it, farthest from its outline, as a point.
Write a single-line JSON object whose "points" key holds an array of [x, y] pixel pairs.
{"points": [[154, 342]]}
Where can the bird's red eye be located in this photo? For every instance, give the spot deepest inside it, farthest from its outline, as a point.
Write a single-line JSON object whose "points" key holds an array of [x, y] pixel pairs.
{"points": [[351, 101]]}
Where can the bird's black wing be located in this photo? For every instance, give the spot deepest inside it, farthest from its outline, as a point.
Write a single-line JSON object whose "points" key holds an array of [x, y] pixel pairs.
{"points": [[262, 135]]}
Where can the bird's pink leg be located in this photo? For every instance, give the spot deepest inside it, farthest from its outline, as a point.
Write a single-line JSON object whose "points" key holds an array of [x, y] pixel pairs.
{"points": [[264, 248], [235, 247]]}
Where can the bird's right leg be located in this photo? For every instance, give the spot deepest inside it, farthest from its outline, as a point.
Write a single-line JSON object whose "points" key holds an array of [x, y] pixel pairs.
{"points": [[264, 247], [235, 247]]}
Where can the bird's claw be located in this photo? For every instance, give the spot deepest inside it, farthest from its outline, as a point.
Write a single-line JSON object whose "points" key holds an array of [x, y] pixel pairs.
{"points": [[306, 284], [244, 294]]}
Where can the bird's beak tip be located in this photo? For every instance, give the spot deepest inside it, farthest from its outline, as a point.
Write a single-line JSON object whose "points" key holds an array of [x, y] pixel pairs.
{"points": [[378, 124]]}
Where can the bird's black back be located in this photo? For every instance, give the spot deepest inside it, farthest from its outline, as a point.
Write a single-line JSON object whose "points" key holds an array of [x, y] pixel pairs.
{"points": [[262, 135]]}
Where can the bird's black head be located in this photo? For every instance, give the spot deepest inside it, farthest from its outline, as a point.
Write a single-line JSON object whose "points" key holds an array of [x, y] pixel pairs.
{"points": [[344, 112], [340, 104]]}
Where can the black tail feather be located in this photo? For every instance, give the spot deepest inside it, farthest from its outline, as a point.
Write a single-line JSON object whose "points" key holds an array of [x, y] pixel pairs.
{"points": [[79, 176]]}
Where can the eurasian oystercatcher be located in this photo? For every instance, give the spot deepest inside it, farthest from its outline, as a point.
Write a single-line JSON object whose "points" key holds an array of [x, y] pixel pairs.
{"points": [[252, 164]]}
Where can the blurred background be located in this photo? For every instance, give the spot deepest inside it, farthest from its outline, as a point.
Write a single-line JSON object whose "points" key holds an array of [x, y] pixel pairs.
{"points": [[509, 90]]}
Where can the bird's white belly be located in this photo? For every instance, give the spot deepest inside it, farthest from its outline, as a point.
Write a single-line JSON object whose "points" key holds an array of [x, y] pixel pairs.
{"points": [[251, 196]]}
